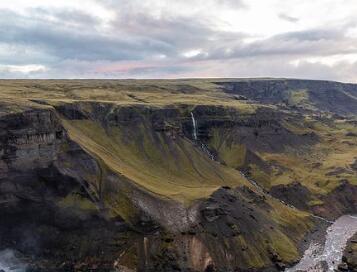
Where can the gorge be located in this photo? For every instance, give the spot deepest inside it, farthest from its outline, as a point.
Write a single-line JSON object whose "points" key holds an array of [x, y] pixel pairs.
{"points": [[177, 175]]}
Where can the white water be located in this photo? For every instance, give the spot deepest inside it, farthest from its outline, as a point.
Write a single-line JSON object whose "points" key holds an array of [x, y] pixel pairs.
{"points": [[206, 150], [255, 184], [9, 262], [323, 219], [194, 124], [195, 137], [331, 252]]}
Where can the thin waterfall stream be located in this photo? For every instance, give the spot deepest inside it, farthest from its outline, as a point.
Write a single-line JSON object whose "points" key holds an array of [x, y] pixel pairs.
{"points": [[194, 124], [202, 145]]}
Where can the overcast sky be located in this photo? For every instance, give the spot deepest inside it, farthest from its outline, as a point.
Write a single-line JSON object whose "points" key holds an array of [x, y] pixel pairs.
{"points": [[314, 39]]}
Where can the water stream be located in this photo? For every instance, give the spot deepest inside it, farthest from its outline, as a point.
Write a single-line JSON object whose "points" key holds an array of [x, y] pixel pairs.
{"points": [[202, 145], [10, 263], [326, 257], [194, 124]]}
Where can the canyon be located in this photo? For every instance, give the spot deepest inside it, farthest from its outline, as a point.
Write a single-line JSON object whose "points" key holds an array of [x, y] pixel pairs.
{"points": [[175, 175]]}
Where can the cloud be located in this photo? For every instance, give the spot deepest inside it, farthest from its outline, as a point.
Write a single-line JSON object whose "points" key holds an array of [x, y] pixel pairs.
{"points": [[232, 3], [147, 38], [314, 42], [65, 16], [62, 42], [288, 18]]}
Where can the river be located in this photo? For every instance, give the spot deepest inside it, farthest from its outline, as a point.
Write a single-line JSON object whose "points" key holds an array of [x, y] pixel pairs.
{"points": [[320, 257], [10, 263]]}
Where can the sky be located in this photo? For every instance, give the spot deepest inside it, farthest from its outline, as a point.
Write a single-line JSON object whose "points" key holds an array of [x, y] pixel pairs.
{"points": [[314, 39]]}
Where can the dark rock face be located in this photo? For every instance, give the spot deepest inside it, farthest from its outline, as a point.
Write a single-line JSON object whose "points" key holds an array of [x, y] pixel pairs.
{"points": [[349, 259], [327, 96], [33, 185], [260, 131], [71, 112], [30, 141], [226, 208], [294, 194], [222, 241], [342, 200], [29, 135], [343, 267]]}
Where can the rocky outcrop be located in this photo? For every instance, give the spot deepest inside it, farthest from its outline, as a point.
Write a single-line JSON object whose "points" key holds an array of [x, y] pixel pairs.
{"points": [[30, 142], [349, 260], [342, 200], [234, 233], [49, 212], [295, 194]]}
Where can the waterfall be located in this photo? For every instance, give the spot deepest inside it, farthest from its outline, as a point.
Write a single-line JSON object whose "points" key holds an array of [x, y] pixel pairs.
{"points": [[194, 124], [203, 146]]}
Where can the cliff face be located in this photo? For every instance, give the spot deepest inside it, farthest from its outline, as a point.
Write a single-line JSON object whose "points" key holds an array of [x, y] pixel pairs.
{"points": [[48, 211], [148, 186], [329, 96]]}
